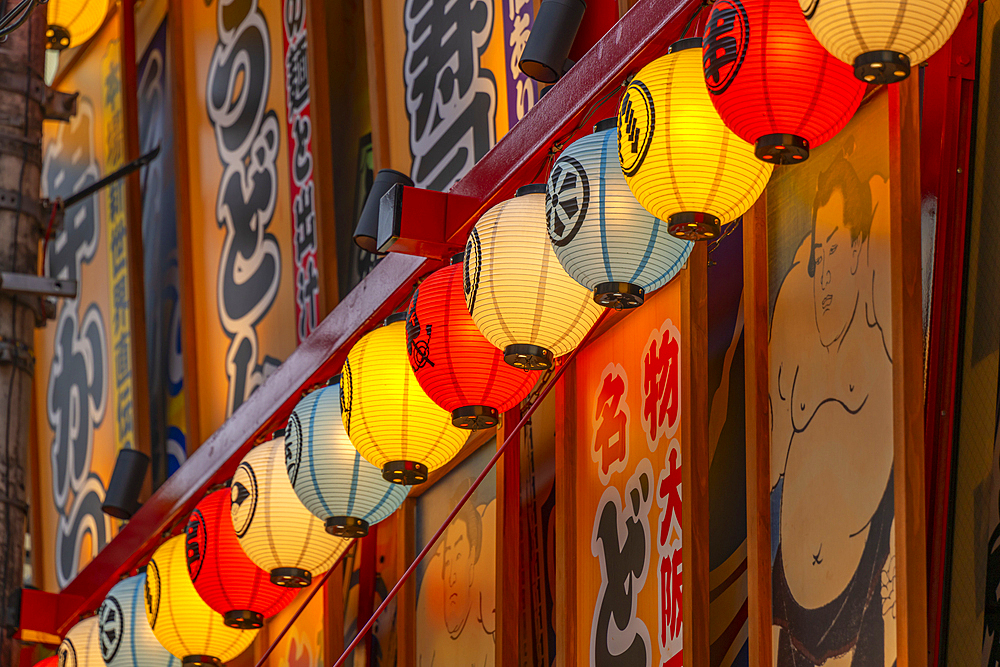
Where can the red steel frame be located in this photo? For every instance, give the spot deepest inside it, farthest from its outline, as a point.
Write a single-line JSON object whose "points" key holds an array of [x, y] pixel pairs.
{"points": [[946, 133], [640, 36]]}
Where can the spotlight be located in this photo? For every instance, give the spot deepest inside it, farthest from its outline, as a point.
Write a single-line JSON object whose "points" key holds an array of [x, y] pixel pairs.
{"points": [[366, 233], [122, 499], [545, 56]]}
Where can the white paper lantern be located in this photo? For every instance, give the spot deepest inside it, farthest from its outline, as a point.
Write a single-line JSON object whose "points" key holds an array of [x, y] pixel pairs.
{"points": [[125, 636], [602, 236], [81, 646], [329, 475]]}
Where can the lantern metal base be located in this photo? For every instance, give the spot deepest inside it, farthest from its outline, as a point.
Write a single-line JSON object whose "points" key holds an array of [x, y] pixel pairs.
{"points": [[528, 357], [619, 296], [291, 577], [201, 661], [404, 472], [882, 67], [475, 417], [691, 226], [782, 149], [347, 526], [243, 619]]}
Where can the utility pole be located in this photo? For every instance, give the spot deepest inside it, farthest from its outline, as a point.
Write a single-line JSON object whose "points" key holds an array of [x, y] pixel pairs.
{"points": [[22, 219]]}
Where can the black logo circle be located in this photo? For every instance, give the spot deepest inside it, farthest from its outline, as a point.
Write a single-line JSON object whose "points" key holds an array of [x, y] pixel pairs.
{"points": [[243, 497], [111, 626], [196, 543], [293, 445], [636, 124], [724, 45], [567, 199], [67, 654], [152, 593], [472, 269], [809, 8]]}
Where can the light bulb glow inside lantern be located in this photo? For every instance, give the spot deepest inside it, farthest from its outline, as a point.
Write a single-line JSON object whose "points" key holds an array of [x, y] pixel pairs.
{"points": [[224, 576], [388, 417], [180, 619], [81, 647], [125, 634], [274, 528], [601, 235], [458, 368], [519, 296], [882, 39], [772, 83], [680, 160], [329, 475]]}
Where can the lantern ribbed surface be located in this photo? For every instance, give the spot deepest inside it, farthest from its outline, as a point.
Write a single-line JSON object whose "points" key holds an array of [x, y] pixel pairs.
{"points": [[224, 576], [126, 638], [329, 475], [180, 619], [458, 368], [772, 83], [680, 160], [871, 35], [515, 288], [81, 647], [81, 19], [599, 232], [388, 417], [274, 528]]}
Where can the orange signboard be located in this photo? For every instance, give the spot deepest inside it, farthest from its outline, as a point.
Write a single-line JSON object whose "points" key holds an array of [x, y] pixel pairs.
{"points": [[628, 551]]}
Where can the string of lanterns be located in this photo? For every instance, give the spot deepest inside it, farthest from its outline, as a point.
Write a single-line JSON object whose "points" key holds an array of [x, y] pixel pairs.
{"points": [[696, 138]]}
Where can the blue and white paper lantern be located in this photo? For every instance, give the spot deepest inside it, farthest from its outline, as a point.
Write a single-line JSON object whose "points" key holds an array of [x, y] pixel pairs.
{"points": [[601, 235], [125, 636], [328, 474]]}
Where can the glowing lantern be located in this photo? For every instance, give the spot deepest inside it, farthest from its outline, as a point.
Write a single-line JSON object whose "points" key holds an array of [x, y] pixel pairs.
{"points": [[73, 22], [680, 160], [388, 417], [275, 530], [882, 38], [604, 239], [126, 638], [329, 475], [81, 647], [180, 619], [518, 294], [458, 368], [225, 578], [772, 82], [51, 661]]}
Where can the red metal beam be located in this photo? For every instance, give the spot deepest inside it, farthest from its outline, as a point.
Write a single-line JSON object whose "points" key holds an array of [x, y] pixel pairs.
{"points": [[518, 158]]}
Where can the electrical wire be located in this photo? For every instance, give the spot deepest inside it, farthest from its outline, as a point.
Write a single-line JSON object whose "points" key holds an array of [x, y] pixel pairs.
{"points": [[25, 7]]}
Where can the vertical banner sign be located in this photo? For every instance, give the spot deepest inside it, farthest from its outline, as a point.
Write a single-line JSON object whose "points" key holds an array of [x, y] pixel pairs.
{"points": [[114, 157], [76, 389], [301, 166], [167, 396], [451, 99], [833, 559], [238, 218], [629, 569], [521, 91]]}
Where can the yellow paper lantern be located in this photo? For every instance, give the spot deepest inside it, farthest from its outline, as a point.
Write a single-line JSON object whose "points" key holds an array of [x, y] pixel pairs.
{"points": [[180, 619], [680, 160], [73, 22], [388, 417], [81, 647], [518, 293], [882, 38], [275, 529]]}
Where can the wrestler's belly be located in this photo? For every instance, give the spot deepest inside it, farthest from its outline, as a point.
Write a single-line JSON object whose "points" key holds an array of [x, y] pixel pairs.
{"points": [[835, 476]]}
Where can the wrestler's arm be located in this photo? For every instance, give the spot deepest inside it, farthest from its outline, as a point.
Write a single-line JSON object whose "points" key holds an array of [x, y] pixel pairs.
{"points": [[780, 397]]}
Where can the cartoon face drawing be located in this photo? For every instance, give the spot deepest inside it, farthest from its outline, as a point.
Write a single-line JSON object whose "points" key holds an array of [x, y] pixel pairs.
{"points": [[459, 564], [835, 256]]}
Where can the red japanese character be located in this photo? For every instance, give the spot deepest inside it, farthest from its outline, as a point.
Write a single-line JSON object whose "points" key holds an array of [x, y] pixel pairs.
{"points": [[669, 494], [670, 594], [611, 417], [661, 387]]}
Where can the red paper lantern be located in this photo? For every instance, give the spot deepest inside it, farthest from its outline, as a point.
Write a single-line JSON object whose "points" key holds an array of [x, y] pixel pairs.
{"points": [[225, 577], [773, 84], [454, 363]]}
